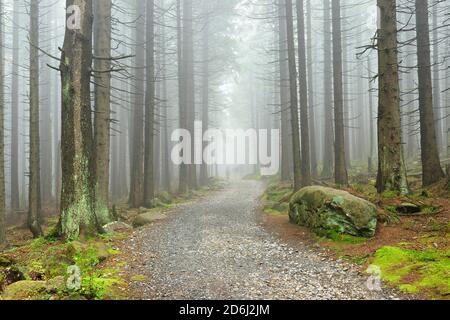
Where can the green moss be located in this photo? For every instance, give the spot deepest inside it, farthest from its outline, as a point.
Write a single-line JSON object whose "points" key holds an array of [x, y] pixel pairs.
{"points": [[345, 238], [276, 199], [429, 269], [390, 194]]}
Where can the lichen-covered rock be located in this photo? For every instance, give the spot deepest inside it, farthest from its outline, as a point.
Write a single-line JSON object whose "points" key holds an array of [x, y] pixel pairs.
{"points": [[34, 290], [26, 290], [147, 218], [327, 211], [55, 285]]}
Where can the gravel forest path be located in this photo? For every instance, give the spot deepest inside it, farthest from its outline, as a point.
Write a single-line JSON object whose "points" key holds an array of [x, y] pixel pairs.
{"points": [[216, 248]]}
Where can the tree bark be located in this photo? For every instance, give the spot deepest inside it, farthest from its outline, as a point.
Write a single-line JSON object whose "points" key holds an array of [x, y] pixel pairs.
{"points": [[328, 150], [14, 160], [341, 176], [137, 161], [189, 79], [371, 119], [34, 185], [205, 92], [184, 174], [303, 83], [3, 241], [102, 118], [149, 179], [286, 145], [437, 106], [77, 197], [294, 97], [311, 100], [391, 169], [431, 166]]}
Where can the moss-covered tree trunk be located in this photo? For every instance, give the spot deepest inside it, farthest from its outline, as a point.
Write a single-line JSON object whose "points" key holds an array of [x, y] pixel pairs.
{"points": [[294, 97], [77, 194], [340, 170], [102, 80], [431, 166], [391, 169], [34, 185], [2, 137]]}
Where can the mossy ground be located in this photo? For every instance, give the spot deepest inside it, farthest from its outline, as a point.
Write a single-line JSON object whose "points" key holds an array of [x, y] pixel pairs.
{"points": [[45, 260], [276, 198], [412, 251], [415, 271]]}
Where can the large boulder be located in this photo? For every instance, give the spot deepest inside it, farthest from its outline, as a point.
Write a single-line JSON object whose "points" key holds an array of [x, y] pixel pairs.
{"points": [[327, 211], [34, 290], [147, 218], [26, 290]]}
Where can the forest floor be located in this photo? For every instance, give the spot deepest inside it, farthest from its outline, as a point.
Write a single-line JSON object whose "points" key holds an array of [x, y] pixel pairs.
{"points": [[219, 248], [412, 251], [234, 241]]}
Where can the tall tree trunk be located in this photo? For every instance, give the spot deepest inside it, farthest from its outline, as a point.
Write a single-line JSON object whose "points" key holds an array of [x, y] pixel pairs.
{"points": [[294, 97], [188, 75], [371, 118], [3, 241], [341, 176], [102, 118], [328, 151], [149, 179], [447, 100], [436, 77], [431, 166], [205, 92], [304, 114], [46, 152], [15, 194], [184, 174], [166, 173], [312, 110], [34, 185], [391, 169], [77, 198], [286, 145], [137, 162]]}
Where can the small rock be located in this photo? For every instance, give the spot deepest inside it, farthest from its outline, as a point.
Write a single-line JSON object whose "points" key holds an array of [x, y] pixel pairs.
{"points": [[117, 227]]}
